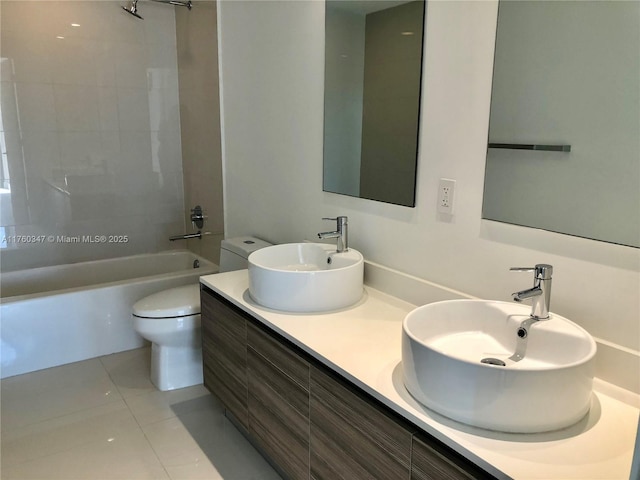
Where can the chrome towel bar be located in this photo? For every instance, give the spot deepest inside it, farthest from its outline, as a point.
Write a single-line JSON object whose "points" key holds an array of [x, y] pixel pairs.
{"points": [[523, 146]]}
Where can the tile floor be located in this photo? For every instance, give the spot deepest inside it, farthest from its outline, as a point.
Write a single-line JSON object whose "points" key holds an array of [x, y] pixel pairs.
{"points": [[102, 419]]}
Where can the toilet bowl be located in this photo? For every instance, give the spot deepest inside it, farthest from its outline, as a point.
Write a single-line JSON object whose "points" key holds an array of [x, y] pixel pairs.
{"points": [[170, 320]]}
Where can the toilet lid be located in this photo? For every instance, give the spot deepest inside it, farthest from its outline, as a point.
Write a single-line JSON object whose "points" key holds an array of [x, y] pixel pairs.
{"points": [[175, 302]]}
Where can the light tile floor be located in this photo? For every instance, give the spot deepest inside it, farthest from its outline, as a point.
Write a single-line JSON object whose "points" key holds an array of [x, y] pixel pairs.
{"points": [[102, 419]]}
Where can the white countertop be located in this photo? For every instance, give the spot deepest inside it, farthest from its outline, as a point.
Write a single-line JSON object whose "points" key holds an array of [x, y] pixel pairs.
{"points": [[363, 343]]}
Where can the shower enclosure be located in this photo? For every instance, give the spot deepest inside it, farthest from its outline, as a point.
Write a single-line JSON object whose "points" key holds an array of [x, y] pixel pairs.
{"points": [[109, 128]]}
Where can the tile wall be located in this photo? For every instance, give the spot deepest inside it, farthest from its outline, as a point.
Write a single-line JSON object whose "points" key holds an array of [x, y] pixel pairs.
{"points": [[90, 131], [200, 121]]}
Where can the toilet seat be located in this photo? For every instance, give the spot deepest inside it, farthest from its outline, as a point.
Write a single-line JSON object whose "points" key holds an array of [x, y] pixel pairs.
{"points": [[172, 303]]}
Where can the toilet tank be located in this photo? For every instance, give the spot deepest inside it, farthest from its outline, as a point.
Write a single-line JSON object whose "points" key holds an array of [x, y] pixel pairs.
{"points": [[235, 251]]}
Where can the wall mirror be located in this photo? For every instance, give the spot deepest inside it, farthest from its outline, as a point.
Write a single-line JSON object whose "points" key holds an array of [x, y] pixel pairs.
{"points": [[373, 66], [564, 142]]}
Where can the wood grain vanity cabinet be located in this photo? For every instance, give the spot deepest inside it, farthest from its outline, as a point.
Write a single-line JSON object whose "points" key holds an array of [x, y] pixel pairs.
{"points": [[431, 461], [278, 402], [351, 438], [309, 421], [224, 355]]}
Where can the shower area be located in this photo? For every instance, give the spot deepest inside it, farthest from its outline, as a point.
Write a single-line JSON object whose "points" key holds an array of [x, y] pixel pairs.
{"points": [[110, 129]]}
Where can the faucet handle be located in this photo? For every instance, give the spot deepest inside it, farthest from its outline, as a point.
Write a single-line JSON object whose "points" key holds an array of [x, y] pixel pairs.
{"points": [[341, 233], [342, 220], [542, 271]]}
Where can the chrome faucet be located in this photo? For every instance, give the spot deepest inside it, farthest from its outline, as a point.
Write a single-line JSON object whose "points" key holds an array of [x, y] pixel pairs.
{"points": [[540, 293], [341, 233]]}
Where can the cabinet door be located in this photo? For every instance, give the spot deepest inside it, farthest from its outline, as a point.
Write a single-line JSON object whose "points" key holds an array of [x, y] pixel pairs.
{"points": [[224, 352], [432, 461], [351, 437], [279, 402]]}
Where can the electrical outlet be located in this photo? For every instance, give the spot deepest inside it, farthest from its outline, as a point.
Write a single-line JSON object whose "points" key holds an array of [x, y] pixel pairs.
{"points": [[446, 191]]}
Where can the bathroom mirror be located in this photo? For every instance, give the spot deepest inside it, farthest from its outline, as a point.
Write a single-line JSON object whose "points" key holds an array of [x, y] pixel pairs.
{"points": [[564, 142], [373, 66]]}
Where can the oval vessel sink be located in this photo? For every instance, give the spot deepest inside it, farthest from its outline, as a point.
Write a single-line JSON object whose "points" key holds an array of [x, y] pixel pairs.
{"points": [[305, 277], [487, 364]]}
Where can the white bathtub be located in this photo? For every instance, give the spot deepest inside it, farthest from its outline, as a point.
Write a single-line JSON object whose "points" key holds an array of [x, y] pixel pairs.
{"points": [[55, 315]]}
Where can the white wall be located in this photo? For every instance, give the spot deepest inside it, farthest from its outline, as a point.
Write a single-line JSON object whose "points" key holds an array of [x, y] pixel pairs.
{"points": [[272, 90]]}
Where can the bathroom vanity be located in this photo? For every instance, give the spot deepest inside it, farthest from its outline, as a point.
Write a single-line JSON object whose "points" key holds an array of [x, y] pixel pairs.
{"points": [[322, 396]]}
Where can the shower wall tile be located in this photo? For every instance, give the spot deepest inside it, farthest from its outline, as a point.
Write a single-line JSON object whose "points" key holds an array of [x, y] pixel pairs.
{"points": [[108, 109], [90, 119], [41, 152], [28, 58], [160, 29], [79, 150], [6, 70], [207, 247], [200, 123], [105, 64], [10, 118], [162, 112], [36, 106], [124, 31], [164, 231], [161, 57], [168, 149], [131, 65], [75, 62], [133, 109], [110, 144], [15, 206], [20, 259], [77, 108]]}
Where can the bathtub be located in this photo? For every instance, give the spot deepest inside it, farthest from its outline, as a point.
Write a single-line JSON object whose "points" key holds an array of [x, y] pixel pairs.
{"points": [[55, 315]]}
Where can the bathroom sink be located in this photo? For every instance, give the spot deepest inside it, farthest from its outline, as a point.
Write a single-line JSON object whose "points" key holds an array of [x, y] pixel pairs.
{"points": [[488, 364], [305, 277]]}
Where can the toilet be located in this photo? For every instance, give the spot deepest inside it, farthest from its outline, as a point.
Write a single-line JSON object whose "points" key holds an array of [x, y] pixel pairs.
{"points": [[170, 320]]}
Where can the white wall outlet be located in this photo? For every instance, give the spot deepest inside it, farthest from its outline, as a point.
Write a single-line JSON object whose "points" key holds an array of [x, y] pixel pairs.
{"points": [[446, 191]]}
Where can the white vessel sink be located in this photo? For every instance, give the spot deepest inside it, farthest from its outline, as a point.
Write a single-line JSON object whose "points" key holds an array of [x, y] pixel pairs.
{"points": [[305, 277], [546, 380]]}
